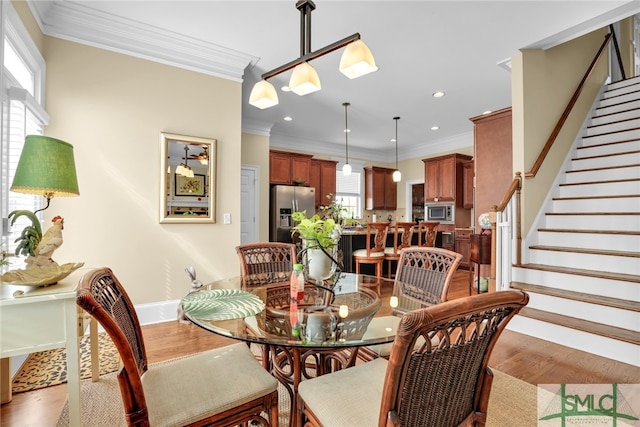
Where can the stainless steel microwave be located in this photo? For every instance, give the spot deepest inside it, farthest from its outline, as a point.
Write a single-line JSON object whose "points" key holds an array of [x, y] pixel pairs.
{"points": [[442, 212]]}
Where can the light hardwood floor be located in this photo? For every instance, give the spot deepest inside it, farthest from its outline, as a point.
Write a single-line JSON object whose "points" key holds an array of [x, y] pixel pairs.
{"points": [[532, 360]]}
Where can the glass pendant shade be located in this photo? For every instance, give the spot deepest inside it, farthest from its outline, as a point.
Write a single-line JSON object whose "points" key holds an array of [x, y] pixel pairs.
{"points": [[47, 168], [304, 80], [346, 169], [188, 172], [397, 176], [180, 169], [357, 60], [263, 95]]}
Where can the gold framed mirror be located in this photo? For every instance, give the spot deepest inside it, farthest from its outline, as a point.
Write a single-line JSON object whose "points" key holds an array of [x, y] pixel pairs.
{"points": [[187, 179]]}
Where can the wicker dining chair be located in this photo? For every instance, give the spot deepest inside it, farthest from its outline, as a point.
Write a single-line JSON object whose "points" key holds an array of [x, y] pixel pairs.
{"points": [[223, 387], [402, 235], [442, 385], [425, 275], [373, 253], [265, 263]]}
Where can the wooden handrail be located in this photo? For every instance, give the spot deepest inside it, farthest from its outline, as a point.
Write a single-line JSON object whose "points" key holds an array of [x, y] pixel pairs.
{"points": [[554, 134]]}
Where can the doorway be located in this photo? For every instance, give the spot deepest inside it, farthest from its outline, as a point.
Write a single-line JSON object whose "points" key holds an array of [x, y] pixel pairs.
{"points": [[249, 203], [414, 200]]}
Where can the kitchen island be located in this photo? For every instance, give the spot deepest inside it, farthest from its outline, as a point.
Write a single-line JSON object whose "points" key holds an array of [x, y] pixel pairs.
{"points": [[356, 238]]}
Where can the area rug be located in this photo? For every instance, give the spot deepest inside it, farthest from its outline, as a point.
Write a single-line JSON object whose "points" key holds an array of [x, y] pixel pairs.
{"points": [[49, 368], [512, 403]]}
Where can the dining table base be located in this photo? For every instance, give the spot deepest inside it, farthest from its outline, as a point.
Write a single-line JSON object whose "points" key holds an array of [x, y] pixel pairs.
{"points": [[291, 365]]}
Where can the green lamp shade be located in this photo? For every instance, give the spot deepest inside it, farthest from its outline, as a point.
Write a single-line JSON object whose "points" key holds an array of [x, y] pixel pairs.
{"points": [[46, 167]]}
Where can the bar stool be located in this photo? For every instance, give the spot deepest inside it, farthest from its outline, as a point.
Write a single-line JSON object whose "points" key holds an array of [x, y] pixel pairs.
{"points": [[400, 241], [373, 253]]}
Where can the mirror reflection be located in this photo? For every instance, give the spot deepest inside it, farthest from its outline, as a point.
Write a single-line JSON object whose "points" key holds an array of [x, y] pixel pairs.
{"points": [[187, 186]]}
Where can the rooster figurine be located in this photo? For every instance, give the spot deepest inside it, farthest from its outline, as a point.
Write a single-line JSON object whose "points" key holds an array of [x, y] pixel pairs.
{"points": [[51, 240]]}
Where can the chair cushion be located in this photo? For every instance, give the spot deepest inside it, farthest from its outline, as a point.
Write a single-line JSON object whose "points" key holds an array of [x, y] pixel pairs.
{"points": [[349, 397], [188, 389], [363, 253]]}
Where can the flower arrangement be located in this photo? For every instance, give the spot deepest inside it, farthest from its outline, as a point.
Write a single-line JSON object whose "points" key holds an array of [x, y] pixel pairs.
{"points": [[325, 231]]}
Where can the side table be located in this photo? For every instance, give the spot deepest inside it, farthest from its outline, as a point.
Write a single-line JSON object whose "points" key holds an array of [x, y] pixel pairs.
{"points": [[480, 255]]}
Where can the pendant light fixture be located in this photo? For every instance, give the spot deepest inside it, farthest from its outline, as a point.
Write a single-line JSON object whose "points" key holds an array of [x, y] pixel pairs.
{"points": [[346, 169], [357, 60], [397, 176], [183, 168]]}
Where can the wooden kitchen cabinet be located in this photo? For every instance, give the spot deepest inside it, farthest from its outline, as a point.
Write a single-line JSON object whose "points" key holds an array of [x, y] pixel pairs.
{"points": [[463, 246], [322, 176], [380, 191], [288, 168], [467, 184], [444, 178]]}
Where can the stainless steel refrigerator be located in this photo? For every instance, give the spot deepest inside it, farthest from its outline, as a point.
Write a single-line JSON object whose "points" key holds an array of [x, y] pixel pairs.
{"points": [[286, 199]]}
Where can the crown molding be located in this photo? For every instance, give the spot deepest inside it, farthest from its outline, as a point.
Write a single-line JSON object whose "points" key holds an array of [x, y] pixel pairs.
{"points": [[81, 24], [256, 127]]}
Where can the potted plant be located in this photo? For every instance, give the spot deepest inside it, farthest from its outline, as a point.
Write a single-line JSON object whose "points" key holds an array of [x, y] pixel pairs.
{"points": [[320, 239]]}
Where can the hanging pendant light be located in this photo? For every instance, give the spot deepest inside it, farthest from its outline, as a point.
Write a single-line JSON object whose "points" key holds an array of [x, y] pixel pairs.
{"points": [[263, 95], [397, 176], [346, 169], [304, 80], [357, 60]]}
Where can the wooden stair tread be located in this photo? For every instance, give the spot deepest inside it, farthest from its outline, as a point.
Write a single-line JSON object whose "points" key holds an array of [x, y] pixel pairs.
{"points": [[578, 296], [591, 213], [588, 326], [607, 196], [571, 230], [585, 251], [634, 278], [606, 181]]}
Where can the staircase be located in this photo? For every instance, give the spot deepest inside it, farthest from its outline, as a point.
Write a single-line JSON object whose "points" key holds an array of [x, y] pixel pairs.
{"points": [[583, 260]]}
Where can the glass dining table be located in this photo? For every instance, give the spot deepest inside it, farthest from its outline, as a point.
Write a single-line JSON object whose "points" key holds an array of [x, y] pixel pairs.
{"points": [[306, 335]]}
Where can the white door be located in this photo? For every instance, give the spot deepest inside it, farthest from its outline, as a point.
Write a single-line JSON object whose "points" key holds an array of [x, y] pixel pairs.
{"points": [[248, 204]]}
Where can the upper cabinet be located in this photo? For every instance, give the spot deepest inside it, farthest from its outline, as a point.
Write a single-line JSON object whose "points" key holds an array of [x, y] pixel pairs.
{"points": [[444, 181], [492, 158], [380, 191], [322, 176], [289, 168]]}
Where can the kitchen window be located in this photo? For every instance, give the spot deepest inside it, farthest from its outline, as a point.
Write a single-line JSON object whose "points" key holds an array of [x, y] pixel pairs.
{"points": [[348, 193]]}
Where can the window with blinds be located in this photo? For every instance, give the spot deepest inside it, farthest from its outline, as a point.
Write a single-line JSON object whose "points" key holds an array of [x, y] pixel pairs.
{"points": [[22, 114], [348, 193]]}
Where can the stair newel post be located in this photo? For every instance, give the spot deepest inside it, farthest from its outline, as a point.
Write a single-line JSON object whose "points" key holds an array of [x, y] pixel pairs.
{"points": [[518, 219], [493, 218]]}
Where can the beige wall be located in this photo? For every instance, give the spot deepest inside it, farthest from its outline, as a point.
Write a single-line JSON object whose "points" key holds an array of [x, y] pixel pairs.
{"points": [[112, 108], [542, 84], [255, 152]]}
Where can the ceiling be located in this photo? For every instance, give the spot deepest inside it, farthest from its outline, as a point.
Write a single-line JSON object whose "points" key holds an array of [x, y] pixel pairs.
{"points": [[421, 47]]}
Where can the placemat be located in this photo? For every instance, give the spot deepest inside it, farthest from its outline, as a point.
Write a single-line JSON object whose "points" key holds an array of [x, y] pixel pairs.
{"points": [[222, 304]]}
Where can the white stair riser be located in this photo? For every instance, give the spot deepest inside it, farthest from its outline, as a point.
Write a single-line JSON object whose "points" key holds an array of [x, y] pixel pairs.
{"points": [[601, 150], [603, 174], [610, 263], [595, 344], [626, 97], [591, 222], [613, 126], [600, 189], [587, 284], [619, 205], [612, 160], [612, 107], [628, 84], [610, 242], [601, 138], [610, 117], [625, 319]]}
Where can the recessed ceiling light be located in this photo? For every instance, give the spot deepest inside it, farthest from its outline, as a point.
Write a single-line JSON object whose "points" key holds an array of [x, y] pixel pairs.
{"points": [[392, 140], [288, 118], [487, 112], [438, 94], [435, 127], [347, 130], [285, 89]]}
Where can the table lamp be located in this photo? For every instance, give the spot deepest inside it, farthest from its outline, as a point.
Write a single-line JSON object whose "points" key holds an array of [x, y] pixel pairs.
{"points": [[46, 167]]}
